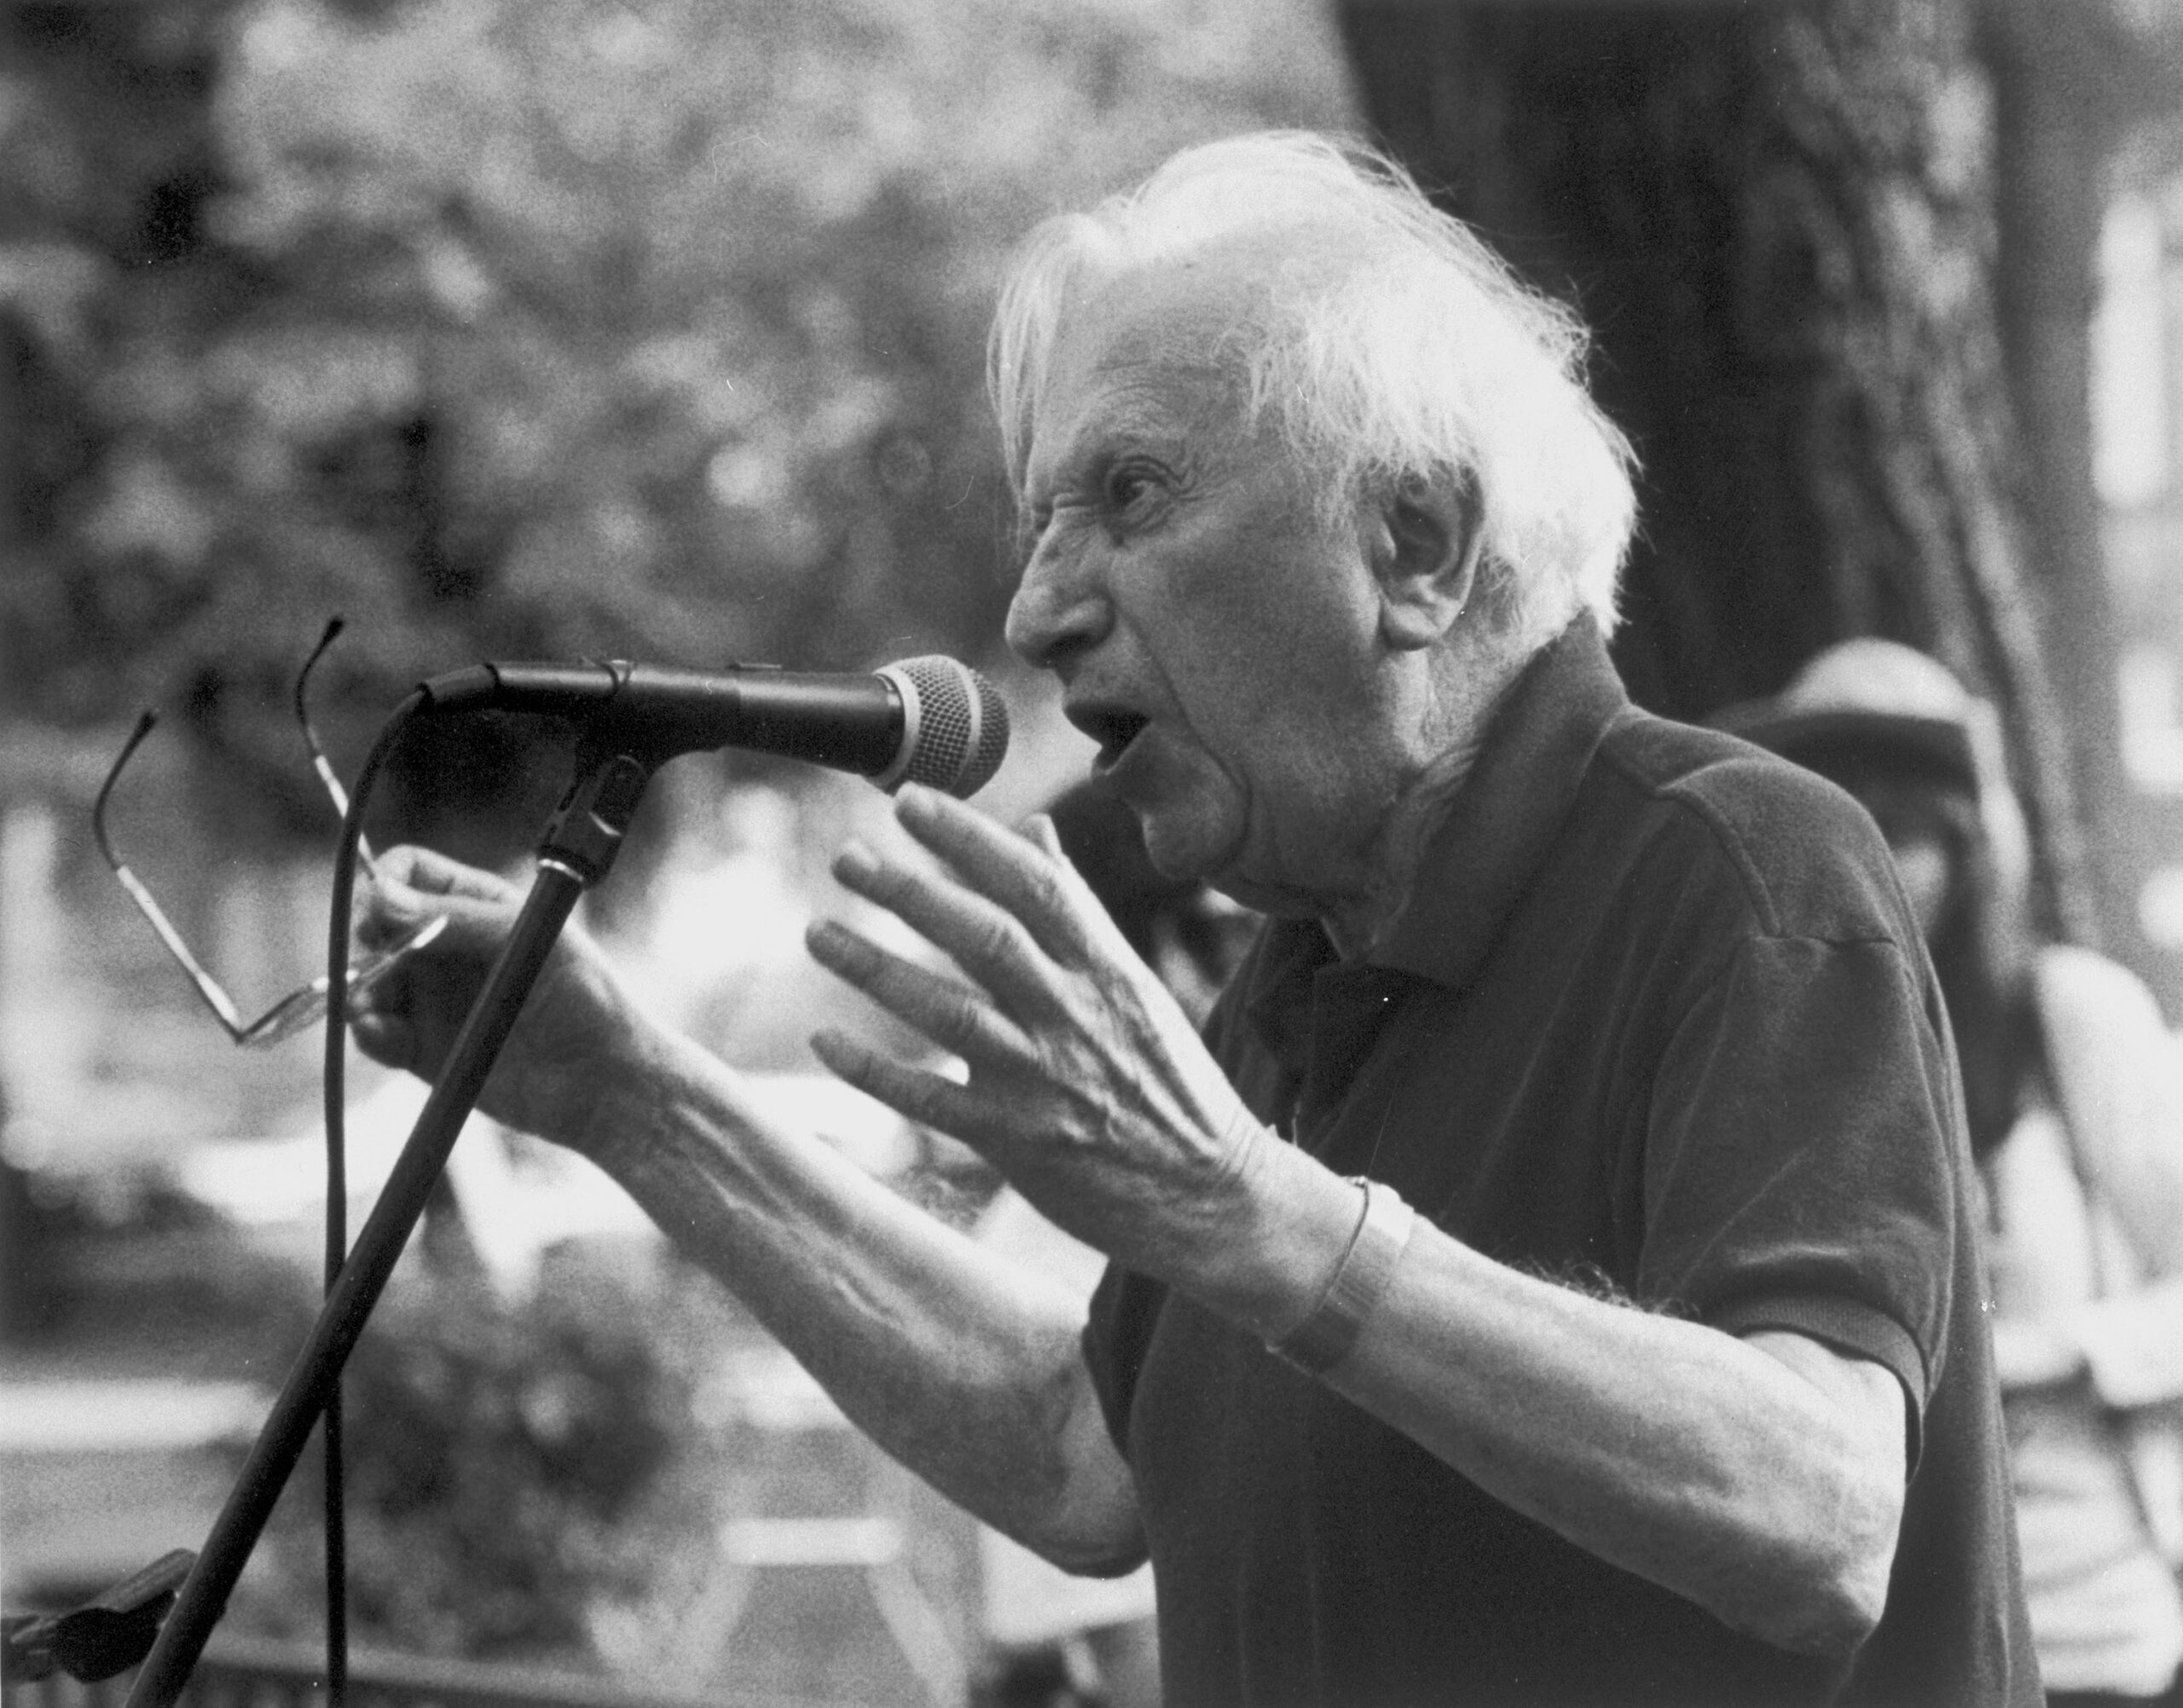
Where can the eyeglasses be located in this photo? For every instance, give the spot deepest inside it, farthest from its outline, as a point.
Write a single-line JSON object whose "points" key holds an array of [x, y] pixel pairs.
{"points": [[299, 1009]]}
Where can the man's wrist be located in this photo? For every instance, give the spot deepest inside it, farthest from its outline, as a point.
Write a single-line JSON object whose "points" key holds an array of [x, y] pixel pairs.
{"points": [[1290, 1224], [616, 1098], [1327, 1331]]}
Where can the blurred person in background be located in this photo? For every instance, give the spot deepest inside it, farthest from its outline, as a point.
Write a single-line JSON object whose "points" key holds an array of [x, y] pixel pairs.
{"points": [[2076, 1109], [1551, 1275], [1065, 1639]]}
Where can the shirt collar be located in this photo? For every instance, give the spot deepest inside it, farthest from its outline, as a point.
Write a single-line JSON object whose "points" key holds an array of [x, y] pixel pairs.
{"points": [[1497, 828], [1504, 817]]}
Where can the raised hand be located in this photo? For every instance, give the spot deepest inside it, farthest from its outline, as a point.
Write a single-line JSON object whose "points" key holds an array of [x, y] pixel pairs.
{"points": [[1088, 1087], [580, 1036]]}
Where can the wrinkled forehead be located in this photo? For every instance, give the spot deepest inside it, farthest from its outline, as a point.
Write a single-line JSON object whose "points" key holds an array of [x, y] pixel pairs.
{"points": [[1155, 349]]}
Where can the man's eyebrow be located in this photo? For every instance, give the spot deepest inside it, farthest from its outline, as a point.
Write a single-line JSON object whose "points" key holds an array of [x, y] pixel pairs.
{"points": [[1081, 461], [1139, 408], [1136, 423]]}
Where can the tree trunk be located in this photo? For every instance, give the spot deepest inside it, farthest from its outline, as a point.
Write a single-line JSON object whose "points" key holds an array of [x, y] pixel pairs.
{"points": [[1779, 222], [2069, 82]]}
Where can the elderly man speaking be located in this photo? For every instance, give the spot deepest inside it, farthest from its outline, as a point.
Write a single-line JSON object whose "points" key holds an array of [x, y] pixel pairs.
{"points": [[1552, 1278]]}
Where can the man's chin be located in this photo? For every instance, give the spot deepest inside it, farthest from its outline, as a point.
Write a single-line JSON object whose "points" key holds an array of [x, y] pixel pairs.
{"points": [[1184, 848]]}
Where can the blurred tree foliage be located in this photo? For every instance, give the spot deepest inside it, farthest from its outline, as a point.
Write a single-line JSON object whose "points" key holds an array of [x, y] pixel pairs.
{"points": [[511, 1465], [534, 327]]}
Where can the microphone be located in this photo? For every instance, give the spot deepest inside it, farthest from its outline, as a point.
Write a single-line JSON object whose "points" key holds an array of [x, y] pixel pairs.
{"points": [[932, 720]]}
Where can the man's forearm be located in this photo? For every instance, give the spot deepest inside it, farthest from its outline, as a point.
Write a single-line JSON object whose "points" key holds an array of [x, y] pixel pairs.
{"points": [[1764, 1484], [962, 1366]]}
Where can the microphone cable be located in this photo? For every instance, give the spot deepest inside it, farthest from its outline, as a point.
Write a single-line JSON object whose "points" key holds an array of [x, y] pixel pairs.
{"points": [[334, 1081]]}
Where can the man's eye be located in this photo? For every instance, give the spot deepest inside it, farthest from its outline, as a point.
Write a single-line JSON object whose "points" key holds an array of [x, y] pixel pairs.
{"points": [[1128, 483]]}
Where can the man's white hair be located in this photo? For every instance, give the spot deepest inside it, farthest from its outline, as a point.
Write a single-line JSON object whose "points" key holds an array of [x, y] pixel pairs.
{"points": [[1397, 349]]}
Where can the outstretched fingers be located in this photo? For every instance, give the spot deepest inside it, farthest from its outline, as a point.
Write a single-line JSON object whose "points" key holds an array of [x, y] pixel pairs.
{"points": [[914, 1093], [1027, 878], [980, 936], [953, 1015]]}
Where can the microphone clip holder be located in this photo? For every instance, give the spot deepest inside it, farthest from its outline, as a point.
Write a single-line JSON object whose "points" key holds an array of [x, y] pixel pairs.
{"points": [[588, 826]]}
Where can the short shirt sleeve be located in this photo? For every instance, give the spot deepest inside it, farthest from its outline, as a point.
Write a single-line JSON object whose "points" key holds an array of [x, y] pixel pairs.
{"points": [[1117, 1334], [1800, 1162]]}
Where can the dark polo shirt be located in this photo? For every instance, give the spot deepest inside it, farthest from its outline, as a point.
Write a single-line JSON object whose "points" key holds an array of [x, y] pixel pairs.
{"points": [[1656, 1018]]}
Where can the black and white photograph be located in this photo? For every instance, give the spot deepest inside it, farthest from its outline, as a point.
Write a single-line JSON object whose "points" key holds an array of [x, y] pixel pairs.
{"points": [[1091, 854]]}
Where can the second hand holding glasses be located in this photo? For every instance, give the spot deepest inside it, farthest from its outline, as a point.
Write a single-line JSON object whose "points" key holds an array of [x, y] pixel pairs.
{"points": [[302, 1007]]}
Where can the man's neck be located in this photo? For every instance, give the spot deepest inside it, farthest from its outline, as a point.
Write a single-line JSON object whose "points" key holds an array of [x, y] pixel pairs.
{"points": [[1359, 923]]}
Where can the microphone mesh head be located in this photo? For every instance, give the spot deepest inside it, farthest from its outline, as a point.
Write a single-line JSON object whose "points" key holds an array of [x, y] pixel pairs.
{"points": [[955, 731]]}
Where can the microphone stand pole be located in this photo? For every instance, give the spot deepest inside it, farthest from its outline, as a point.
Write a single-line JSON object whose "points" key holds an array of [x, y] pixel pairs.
{"points": [[578, 848]]}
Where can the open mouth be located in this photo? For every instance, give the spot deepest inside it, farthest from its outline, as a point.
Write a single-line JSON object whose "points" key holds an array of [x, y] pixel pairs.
{"points": [[1112, 728]]}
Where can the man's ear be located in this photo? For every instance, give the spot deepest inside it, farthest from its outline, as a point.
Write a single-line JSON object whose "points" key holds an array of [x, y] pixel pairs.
{"points": [[1425, 548]]}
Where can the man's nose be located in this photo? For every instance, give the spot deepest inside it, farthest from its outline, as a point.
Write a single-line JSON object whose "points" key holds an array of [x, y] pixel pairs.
{"points": [[1060, 610]]}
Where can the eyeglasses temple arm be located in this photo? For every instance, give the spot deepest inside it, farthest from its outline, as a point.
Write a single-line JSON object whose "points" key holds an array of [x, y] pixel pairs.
{"points": [[215, 998], [318, 759]]}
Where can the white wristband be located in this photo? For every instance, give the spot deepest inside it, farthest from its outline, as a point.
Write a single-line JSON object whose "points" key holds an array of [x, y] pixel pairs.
{"points": [[1360, 1281]]}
